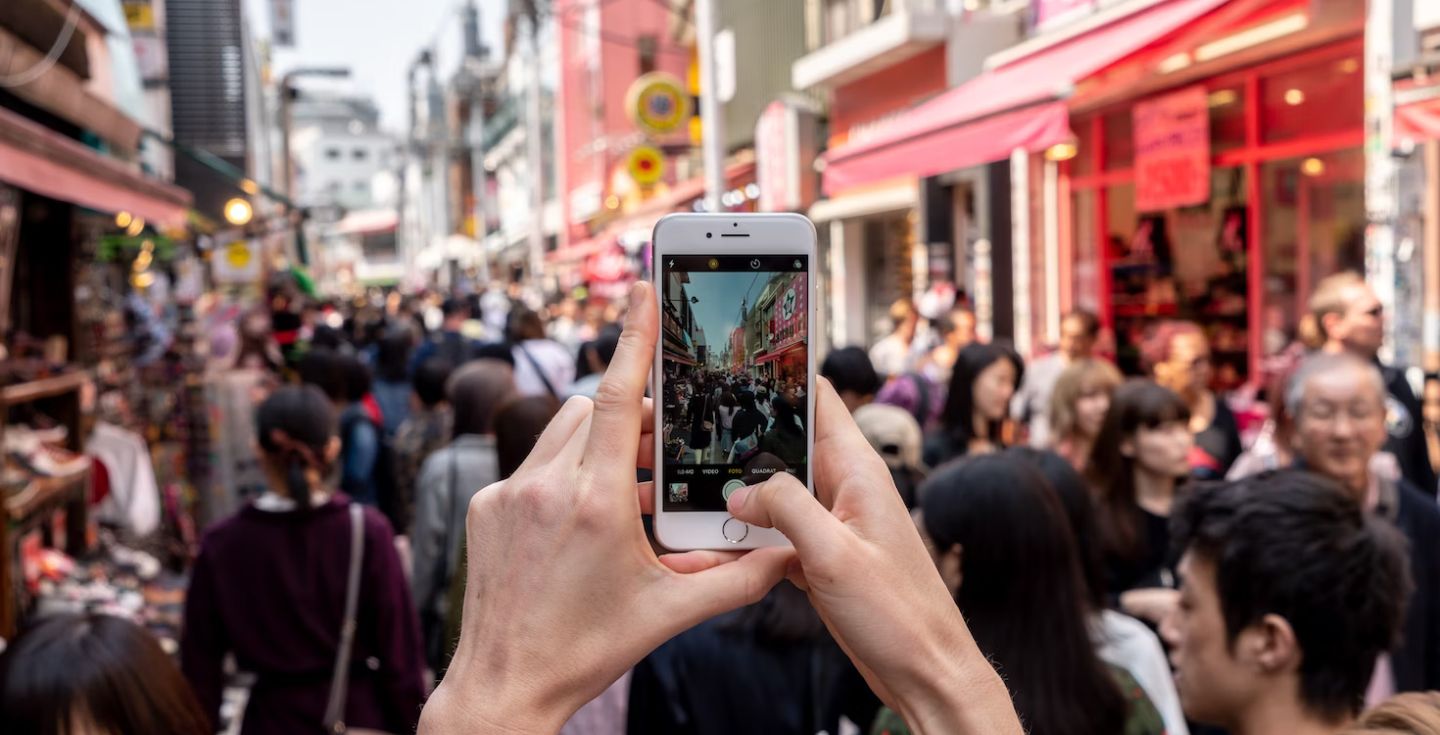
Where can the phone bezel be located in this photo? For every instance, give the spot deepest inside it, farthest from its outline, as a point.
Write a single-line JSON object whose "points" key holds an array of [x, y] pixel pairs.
{"points": [[760, 234]]}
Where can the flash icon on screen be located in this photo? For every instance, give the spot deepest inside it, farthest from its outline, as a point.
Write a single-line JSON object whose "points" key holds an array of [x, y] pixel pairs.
{"points": [[714, 264]]}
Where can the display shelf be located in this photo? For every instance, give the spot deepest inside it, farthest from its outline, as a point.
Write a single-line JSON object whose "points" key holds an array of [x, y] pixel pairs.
{"points": [[42, 491], [36, 390]]}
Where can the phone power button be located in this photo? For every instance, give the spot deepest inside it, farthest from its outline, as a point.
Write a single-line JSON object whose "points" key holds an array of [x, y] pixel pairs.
{"points": [[735, 530]]}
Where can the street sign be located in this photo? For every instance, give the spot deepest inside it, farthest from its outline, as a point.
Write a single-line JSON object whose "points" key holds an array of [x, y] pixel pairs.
{"points": [[658, 104]]}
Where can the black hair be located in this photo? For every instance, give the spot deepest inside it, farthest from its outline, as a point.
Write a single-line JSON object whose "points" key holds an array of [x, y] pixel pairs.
{"points": [[1079, 507], [1021, 591], [358, 379], [1088, 321], [1137, 404], [454, 306], [429, 381], [518, 425], [606, 343], [849, 368], [392, 360], [326, 337], [325, 369], [958, 418], [97, 670], [476, 391], [1297, 545], [786, 416], [493, 351], [524, 324], [294, 426]]}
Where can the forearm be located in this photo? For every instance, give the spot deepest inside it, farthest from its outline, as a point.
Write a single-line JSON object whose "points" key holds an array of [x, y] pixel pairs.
{"points": [[953, 690], [460, 707]]}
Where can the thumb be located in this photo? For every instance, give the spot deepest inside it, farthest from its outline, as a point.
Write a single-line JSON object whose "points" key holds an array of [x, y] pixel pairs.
{"points": [[726, 586], [784, 504]]}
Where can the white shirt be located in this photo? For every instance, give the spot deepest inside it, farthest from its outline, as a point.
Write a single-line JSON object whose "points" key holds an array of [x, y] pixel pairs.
{"points": [[1123, 641], [890, 356], [555, 360]]}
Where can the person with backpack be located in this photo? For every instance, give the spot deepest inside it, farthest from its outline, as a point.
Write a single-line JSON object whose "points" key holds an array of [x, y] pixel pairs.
{"points": [[447, 481], [450, 343], [304, 589]]}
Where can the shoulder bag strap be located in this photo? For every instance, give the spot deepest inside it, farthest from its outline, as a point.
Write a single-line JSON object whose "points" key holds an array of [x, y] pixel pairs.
{"points": [[538, 370], [340, 681]]}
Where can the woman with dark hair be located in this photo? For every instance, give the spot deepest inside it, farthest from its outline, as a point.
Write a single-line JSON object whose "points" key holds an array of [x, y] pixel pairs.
{"points": [[542, 365], [702, 422], [360, 432], [1178, 356], [725, 420], [1120, 640], [1138, 461], [786, 437], [747, 427], [74, 674], [270, 584], [448, 479], [392, 379], [983, 382], [767, 668], [996, 522]]}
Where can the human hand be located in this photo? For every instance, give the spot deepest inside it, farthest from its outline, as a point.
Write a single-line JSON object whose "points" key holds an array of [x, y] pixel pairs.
{"points": [[564, 593], [873, 583], [1152, 604]]}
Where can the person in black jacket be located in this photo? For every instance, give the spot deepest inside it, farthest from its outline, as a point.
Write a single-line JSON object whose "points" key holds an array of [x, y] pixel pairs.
{"points": [[1338, 401], [1351, 319]]}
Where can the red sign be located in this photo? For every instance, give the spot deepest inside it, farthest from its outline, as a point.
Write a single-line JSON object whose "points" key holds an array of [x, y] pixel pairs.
{"points": [[788, 325], [1172, 151]]}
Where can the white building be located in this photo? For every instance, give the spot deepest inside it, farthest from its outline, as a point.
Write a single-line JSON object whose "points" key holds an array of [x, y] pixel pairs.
{"points": [[340, 152]]}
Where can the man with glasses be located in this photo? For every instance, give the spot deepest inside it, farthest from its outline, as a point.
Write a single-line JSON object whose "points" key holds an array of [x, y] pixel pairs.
{"points": [[1338, 401], [1351, 319]]}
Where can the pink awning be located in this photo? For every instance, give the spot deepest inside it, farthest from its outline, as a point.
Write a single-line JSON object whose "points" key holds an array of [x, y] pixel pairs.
{"points": [[1014, 106], [1418, 122], [47, 163]]}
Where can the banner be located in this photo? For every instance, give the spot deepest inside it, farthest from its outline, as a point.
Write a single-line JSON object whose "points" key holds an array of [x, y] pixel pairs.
{"points": [[1172, 151]]}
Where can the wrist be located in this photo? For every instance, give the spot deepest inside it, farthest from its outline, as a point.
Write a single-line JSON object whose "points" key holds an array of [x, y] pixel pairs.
{"points": [[952, 688], [461, 707]]}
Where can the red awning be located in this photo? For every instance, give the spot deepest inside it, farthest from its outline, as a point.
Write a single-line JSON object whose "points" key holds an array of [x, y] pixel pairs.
{"points": [[1419, 121], [47, 163], [773, 356], [1014, 106]]}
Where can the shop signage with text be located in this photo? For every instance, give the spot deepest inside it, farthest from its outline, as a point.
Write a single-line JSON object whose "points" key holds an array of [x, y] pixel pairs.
{"points": [[1172, 151]]}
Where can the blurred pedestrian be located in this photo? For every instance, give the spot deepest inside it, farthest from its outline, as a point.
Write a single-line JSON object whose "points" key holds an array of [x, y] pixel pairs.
{"points": [[767, 668], [1338, 402], [596, 355], [1289, 595], [852, 374], [891, 355], [1413, 713], [1119, 639], [786, 438], [542, 365], [269, 587], [977, 403], [1078, 403], [360, 434], [448, 479], [428, 428], [94, 674], [1135, 466], [894, 435], [449, 343], [1079, 331], [701, 415], [1178, 356], [1352, 319], [1016, 576], [956, 330], [392, 379]]}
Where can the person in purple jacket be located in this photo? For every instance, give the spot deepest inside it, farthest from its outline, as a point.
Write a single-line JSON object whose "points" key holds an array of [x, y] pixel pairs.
{"points": [[269, 587]]}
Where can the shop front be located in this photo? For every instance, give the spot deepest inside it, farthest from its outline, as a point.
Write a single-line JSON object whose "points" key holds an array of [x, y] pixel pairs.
{"points": [[1221, 199]]}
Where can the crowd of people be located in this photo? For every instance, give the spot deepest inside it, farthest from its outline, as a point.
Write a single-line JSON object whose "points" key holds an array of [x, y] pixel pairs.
{"points": [[991, 546]]}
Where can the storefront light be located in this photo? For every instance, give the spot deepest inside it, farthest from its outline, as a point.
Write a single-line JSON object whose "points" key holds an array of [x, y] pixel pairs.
{"points": [[1312, 167], [136, 226], [122, 219], [1294, 97], [1254, 36], [238, 212], [1223, 97], [1174, 63], [1062, 151], [1348, 66]]}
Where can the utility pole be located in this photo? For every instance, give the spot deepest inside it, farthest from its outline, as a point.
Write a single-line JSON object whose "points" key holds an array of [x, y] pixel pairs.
{"points": [[712, 125], [534, 126], [475, 67], [287, 92]]}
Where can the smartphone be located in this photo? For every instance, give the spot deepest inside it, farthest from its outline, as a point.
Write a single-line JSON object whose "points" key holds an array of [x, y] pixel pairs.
{"points": [[734, 369]]}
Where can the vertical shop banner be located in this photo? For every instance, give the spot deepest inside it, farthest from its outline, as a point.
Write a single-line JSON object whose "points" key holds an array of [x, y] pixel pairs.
{"points": [[1172, 151]]}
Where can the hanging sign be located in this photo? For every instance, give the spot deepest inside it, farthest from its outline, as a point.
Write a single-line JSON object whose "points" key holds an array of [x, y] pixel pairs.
{"points": [[237, 262], [658, 103], [1172, 151], [646, 165]]}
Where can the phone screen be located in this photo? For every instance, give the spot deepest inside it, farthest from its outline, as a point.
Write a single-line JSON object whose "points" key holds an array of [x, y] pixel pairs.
{"points": [[735, 374]]}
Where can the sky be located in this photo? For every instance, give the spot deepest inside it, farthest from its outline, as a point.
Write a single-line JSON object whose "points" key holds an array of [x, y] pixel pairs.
{"points": [[377, 40], [718, 311]]}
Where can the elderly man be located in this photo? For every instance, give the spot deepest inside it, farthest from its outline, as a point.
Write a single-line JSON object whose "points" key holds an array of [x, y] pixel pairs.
{"points": [[1338, 401]]}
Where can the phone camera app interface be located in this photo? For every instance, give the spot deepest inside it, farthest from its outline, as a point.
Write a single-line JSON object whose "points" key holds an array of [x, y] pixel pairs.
{"points": [[735, 364]]}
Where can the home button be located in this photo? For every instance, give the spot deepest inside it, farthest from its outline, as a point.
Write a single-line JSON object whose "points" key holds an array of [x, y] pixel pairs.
{"points": [[735, 530]]}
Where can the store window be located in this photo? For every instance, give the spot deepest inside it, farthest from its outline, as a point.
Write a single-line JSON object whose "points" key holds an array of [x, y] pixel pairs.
{"points": [[1119, 140], [1314, 226], [1318, 99], [1227, 118]]}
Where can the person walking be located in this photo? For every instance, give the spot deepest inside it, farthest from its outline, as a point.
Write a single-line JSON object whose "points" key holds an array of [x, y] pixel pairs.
{"points": [[977, 404], [1078, 404], [1079, 332], [270, 587], [543, 367], [891, 355], [1178, 355]]}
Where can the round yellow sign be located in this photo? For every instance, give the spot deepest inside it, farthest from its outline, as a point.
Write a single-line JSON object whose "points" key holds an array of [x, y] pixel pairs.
{"points": [[657, 103], [646, 165], [237, 254]]}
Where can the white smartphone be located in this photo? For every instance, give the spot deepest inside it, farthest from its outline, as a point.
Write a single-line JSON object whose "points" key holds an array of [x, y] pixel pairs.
{"points": [[734, 369]]}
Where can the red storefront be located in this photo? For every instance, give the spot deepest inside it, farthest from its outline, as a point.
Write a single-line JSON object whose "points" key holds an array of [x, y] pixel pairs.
{"points": [[787, 304]]}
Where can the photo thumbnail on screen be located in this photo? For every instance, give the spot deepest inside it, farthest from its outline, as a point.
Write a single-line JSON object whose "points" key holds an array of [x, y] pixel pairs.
{"points": [[735, 374]]}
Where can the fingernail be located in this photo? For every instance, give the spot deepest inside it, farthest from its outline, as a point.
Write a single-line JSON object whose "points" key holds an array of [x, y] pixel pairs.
{"points": [[738, 498]]}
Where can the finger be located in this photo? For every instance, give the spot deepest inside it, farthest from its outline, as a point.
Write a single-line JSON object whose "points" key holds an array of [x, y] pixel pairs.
{"points": [[840, 446], [691, 562], [645, 493], [784, 504], [647, 416], [557, 433], [728, 585], [645, 456], [620, 398]]}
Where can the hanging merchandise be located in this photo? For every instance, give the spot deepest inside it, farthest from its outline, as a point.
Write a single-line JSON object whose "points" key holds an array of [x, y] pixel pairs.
{"points": [[133, 500]]}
